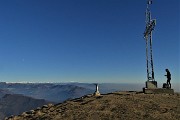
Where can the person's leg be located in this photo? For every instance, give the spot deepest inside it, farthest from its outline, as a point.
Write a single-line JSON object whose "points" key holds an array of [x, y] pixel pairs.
{"points": [[168, 83]]}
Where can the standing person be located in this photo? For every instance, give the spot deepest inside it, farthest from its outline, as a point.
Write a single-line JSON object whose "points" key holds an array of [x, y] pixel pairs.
{"points": [[168, 75]]}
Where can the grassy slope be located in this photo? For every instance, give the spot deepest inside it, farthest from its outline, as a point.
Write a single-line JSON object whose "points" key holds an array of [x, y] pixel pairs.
{"points": [[114, 106]]}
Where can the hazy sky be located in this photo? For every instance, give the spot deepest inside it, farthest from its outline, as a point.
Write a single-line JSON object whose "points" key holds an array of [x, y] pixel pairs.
{"points": [[86, 40]]}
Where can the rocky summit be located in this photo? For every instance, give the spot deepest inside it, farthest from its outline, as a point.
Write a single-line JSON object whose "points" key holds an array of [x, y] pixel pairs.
{"points": [[113, 106]]}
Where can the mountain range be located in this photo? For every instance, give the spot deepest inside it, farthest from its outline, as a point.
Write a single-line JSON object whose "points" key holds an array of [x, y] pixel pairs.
{"points": [[59, 92]]}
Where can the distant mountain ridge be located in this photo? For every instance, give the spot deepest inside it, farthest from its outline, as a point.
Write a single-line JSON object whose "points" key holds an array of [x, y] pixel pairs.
{"points": [[59, 92], [47, 91], [16, 98], [4, 92]]}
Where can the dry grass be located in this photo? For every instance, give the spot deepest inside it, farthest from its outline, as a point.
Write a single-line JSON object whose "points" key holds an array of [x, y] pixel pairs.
{"points": [[114, 106]]}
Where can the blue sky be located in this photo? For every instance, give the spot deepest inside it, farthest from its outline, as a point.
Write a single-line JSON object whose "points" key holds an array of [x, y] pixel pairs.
{"points": [[86, 40]]}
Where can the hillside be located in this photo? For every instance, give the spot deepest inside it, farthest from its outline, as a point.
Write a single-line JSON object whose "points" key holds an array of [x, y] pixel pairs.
{"points": [[48, 91], [4, 92], [112, 106], [13, 104]]}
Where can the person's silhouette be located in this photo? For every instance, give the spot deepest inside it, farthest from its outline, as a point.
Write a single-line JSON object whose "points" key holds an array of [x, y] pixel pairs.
{"points": [[168, 75]]}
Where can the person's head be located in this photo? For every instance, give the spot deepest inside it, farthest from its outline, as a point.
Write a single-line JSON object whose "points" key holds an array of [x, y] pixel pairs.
{"points": [[167, 70]]}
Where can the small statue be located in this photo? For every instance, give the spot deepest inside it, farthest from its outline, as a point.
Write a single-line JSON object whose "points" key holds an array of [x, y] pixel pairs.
{"points": [[97, 93]]}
